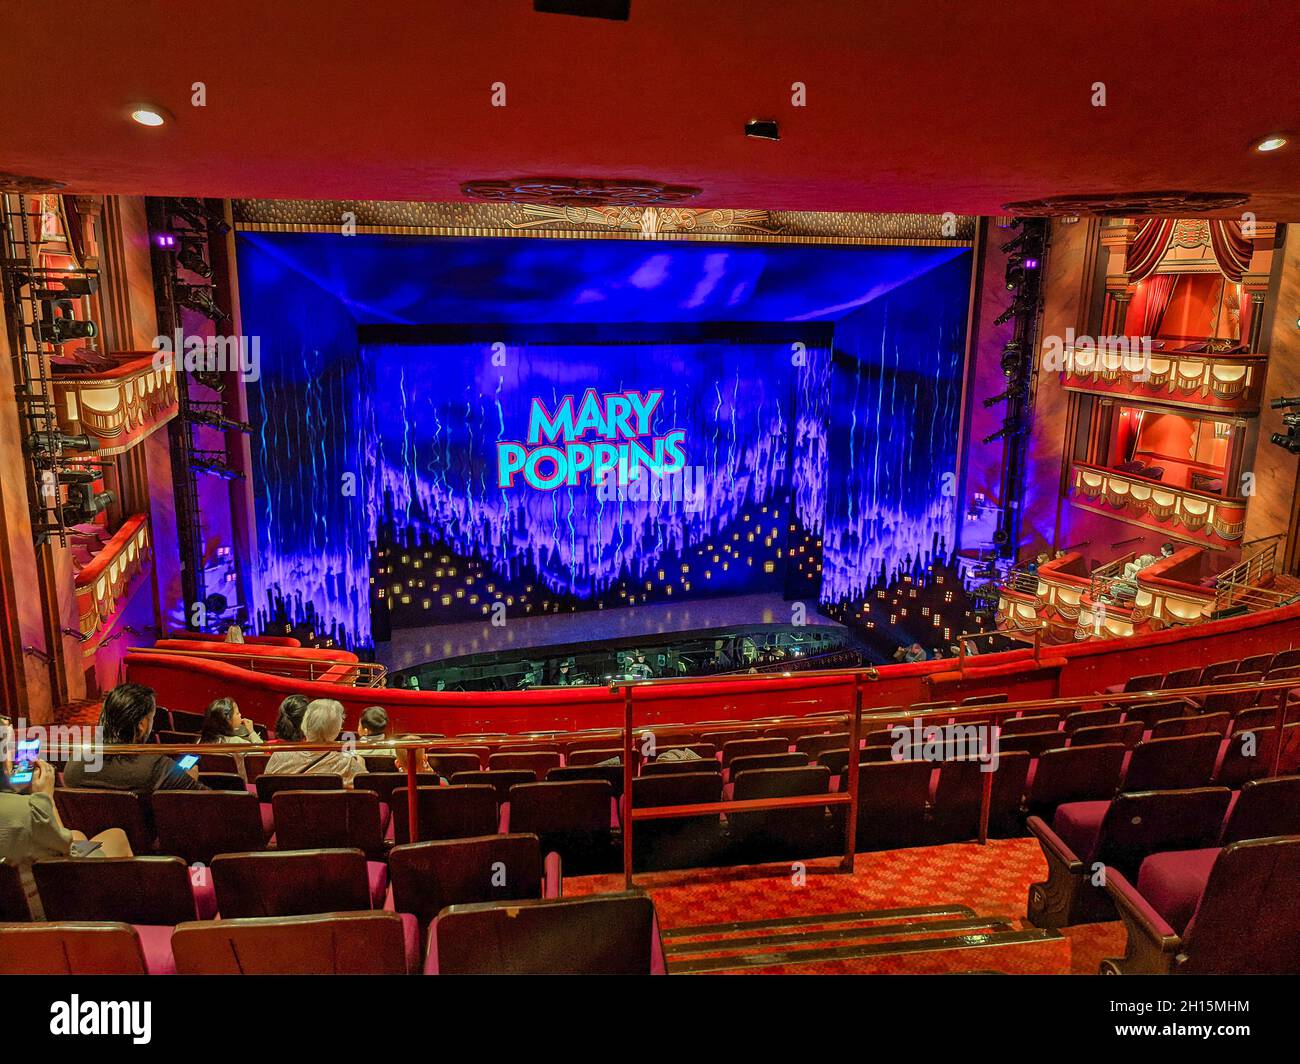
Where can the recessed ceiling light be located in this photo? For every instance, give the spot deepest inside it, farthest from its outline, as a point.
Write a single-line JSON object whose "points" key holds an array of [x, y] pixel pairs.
{"points": [[1271, 143], [147, 116]]}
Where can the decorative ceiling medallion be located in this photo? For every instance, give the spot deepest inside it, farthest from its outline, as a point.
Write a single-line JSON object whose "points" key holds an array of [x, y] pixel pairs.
{"points": [[580, 191], [648, 221], [1125, 204], [22, 183]]}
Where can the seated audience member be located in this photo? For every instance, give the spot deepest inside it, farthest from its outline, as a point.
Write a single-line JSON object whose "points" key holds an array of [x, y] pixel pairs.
{"points": [[320, 724], [374, 731], [223, 724], [421, 761], [30, 829], [127, 719], [288, 725], [910, 654]]}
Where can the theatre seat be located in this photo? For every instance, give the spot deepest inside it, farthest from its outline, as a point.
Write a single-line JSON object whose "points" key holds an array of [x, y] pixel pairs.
{"points": [[132, 890], [198, 825], [91, 811], [574, 818], [1120, 834], [677, 842], [892, 801], [341, 943], [1262, 809], [454, 812], [1220, 912], [71, 948], [608, 934], [322, 820], [297, 882], [426, 877]]}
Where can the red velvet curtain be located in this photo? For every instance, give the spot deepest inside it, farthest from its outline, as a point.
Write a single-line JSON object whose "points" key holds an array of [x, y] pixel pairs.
{"points": [[1232, 250], [1159, 288], [1148, 246]]}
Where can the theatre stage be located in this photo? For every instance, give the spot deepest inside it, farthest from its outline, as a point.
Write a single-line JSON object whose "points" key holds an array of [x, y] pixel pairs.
{"points": [[415, 646]]}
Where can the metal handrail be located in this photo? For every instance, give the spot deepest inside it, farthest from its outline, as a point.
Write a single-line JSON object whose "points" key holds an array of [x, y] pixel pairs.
{"points": [[372, 673]]}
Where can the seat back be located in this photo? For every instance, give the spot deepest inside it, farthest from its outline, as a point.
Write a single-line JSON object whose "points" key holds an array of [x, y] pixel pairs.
{"points": [[255, 765], [190, 723], [1074, 774], [607, 934], [1193, 724], [1171, 764], [1181, 678], [1140, 824], [340, 943], [457, 812], [1128, 734], [1248, 755], [1263, 809], [90, 811], [677, 842], [675, 768], [1032, 743], [1247, 921], [13, 898], [781, 832], [811, 746], [1212, 672], [270, 784], [132, 890], [447, 764], [574, 807], [429, 876], [1151, 713], [379, 762], [223, 781], [958, 797], [70, 949], [748, 747], [1150, 682], [499, 779], [611, 774], [753, 761], [1092, 718], [594, 756], [892, 797], [198, 825], [324, 820], [384, 783], [537, 762], [1035, 723], [290, 883], [1230, 701], [219, 763]]}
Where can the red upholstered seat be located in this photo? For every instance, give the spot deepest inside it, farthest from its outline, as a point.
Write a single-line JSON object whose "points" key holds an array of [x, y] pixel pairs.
{"points": [[156, 945], [339, 943], [1077, 824], [1173, 883], [72, 948]]}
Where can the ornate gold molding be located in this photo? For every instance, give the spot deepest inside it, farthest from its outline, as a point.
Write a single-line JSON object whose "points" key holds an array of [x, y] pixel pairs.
{"points": [[602, 222]]}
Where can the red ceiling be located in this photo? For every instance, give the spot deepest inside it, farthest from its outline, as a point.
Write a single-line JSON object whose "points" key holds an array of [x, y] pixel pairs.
{"points": [[911, 104]]}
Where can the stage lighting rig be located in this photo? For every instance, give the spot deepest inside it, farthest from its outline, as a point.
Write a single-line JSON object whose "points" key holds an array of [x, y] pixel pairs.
{"points": [[215, 419], [84, 503], [1290, 440], [199, 297], [1009, 431], [197, 215], [191, 257], [55, 443], [1015, 390]]}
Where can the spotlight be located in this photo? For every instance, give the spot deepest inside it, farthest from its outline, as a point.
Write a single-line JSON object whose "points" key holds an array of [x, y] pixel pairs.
{"points": [[56, 442], [191, 257], [1012, 359], [199, 297], [58, 324], [1008, 431], [1291, 443], [1283, 401], [83, 503]]}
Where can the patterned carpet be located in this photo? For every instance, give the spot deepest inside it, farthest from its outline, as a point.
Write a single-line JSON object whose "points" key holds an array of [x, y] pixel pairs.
{"points": [[992, 880]]}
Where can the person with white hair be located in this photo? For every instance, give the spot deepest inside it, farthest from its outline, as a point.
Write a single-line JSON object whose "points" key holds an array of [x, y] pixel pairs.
{"points": [[321, 723]]}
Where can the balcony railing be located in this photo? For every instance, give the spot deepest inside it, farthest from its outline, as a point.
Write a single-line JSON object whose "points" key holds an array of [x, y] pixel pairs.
{"points": [[1190, 515], [119, 407], [1223, 382], [106, 580]]}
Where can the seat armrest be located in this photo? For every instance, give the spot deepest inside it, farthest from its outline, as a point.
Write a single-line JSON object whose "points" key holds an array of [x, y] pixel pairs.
{"points": [[1152, 943], [552, 882], [1054, 847]]}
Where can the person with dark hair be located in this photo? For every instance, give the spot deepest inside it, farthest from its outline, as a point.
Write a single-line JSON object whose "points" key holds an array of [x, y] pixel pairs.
{"points": [[222, 723], [288, 725], [127, 719], [30, 829], [374, 730]]}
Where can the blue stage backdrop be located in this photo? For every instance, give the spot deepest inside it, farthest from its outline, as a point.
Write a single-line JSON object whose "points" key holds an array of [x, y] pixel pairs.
{"points": [[406, 384]]}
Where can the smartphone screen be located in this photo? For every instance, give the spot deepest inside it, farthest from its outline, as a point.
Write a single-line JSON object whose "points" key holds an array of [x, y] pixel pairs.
{"points": [[25, 757], [188, 762]]}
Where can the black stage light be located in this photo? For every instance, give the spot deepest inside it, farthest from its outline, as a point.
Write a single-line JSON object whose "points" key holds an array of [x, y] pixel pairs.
{"points": [[199, 297], [83, 503], [56, 442], [198, 215], [1283, 401], [191, 257], [1008, 431], [1012, 359], [763, 129], [59, 324], [1015, 273], [1291, 443]]}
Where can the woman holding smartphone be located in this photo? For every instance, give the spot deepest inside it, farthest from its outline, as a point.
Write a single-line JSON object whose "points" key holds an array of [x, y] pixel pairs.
{"points": [[30, 829]]}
